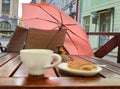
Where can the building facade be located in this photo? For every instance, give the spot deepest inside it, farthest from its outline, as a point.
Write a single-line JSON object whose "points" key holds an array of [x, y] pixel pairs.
{"points": [[8, 14], [100, 16], [68, 6]]}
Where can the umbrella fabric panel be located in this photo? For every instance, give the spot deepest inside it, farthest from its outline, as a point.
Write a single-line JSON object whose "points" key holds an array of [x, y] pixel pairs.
{"points": [[78, 46], [49, 17], [34, 12], [38, 24]]}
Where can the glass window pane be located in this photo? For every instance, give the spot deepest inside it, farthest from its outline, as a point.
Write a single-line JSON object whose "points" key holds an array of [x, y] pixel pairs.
{"points": [[86, 23], [5, 25], [5, 6], [6, 1]]}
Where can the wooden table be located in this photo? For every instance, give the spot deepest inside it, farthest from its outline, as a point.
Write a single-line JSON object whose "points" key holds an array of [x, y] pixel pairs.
{"points": [[14, 75]]}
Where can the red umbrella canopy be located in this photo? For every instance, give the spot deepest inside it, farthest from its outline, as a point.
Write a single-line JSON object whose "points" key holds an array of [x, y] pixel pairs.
{"points": [[50, 17]]}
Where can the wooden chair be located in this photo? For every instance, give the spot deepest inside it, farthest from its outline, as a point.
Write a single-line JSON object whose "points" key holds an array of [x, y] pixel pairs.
{"points": [[17, 40], [108, 46], [45, 39]]}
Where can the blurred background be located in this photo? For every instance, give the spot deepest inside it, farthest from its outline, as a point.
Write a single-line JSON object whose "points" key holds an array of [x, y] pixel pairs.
{"points": [[93, 15]]}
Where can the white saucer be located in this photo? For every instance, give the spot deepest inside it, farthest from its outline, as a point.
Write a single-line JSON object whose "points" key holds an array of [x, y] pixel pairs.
{"points": [[64, 67]]}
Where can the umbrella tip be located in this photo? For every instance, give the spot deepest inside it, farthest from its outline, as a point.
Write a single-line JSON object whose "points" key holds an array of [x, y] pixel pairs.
{"points": [[60, 25]]}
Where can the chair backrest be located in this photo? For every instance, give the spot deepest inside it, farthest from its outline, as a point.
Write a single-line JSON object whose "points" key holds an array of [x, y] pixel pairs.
{"points": [[17, 40], [45, 39]]}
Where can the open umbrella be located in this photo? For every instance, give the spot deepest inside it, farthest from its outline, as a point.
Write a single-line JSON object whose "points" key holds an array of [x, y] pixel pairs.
{"points": [[50, 17]]}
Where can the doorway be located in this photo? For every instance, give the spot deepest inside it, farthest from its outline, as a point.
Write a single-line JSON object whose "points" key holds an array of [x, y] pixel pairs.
{"points": [[105, 25]]}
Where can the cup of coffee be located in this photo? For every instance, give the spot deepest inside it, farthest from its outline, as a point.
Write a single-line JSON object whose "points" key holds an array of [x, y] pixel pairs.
{"points": [[36, 60]]}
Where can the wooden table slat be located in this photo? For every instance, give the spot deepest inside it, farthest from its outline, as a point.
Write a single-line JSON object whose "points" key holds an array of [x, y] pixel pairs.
{"points": [[6, 57], [2, 54], [59, 83], [22, 71], [14, 75], [10, 67], [107, 71], [109, 65]]}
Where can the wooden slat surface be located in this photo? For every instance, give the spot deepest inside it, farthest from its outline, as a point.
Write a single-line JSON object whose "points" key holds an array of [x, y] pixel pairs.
{"points": [[10, 67], [59, 83], [23, 72], [6, 57], [15, 69], [14, 75], [112, 70], [2, 54]]}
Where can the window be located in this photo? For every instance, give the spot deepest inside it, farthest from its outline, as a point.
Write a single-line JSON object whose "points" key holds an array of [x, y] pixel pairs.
{"points": [[5, 7], [4, 25], [105, 24], [105, 20], [86, 23]]}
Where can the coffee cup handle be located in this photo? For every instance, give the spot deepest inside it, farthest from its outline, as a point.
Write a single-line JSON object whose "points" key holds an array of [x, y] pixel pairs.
{"points": [[58, 60]]}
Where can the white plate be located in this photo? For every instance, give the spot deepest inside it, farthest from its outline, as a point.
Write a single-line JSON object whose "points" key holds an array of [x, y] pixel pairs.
{"points": [[64, 67]]}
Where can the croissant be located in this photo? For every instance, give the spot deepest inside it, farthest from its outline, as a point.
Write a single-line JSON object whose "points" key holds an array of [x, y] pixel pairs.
{"points": [[78, 65]]}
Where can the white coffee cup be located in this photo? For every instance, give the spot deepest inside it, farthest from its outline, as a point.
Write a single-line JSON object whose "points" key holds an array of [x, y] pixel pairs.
{"points": [[36, 60]]}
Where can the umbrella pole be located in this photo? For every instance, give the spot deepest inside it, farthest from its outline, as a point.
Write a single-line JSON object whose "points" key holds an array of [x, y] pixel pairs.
{"points": [[77, 5]]}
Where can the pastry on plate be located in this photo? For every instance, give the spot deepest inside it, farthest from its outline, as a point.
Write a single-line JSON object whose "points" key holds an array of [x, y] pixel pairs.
{"points": [[80, 65]]}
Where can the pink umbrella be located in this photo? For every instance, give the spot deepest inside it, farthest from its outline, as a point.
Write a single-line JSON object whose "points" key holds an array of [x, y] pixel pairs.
{"points": [[49, 17]]}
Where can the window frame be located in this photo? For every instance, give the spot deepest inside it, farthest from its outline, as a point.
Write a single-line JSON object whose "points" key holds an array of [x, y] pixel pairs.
{"points": [[86, 23], [5, 7]]}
